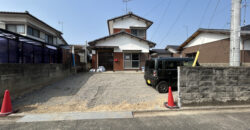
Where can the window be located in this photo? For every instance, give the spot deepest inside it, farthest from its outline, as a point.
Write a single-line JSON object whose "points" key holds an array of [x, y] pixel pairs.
{"points": [[171, 65], [131, 60], [150, 64], [48, 39], [15, 28], [139, 32], [33, 32], [160, 65]]}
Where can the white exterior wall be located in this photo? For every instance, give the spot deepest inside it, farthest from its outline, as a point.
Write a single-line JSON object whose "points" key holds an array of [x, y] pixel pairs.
{"points": [[23, 19], [247, 45], [206, 38], [127, 22], [2, 25], [125, 43]]}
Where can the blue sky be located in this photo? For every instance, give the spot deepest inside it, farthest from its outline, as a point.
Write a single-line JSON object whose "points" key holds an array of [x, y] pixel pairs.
{"points": [[86, 20]]}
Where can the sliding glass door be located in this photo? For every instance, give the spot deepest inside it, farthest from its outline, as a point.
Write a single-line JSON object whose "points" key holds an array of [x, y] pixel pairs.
{"points": [[131, 60]]}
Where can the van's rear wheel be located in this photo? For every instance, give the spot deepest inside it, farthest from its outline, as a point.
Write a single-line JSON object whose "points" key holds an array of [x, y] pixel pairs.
{"points": [[162, 87]]}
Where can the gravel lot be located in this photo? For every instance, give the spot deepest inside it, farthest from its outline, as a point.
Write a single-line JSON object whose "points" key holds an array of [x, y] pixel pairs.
{"points": [[94, 92]]}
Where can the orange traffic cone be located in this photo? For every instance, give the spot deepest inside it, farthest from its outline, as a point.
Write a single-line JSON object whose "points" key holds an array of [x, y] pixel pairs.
{"points": [[6, 105], [170, 103]]}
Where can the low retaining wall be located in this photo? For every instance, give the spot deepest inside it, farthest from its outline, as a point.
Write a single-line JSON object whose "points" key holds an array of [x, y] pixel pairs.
{"points": [[213, 85], [23, 78]]}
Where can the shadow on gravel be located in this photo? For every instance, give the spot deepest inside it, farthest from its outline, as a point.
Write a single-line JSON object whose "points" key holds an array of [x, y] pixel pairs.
{"points": [[66, 87]]}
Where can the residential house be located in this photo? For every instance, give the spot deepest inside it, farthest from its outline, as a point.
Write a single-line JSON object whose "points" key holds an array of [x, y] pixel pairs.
{"points": [[26, 39], [126, 47], [160, 53], [214, 46], [172, 48], [28, 25]]}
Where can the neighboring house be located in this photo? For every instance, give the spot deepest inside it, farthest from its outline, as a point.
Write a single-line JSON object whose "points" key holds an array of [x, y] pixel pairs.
{"points": [[26, 39], [160, 53], [172, 48], [214, 46], [80, 54], [28, 25], [126, 47]]}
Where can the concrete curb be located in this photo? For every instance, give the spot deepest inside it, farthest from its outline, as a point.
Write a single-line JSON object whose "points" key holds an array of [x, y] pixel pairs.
{"points": [[193, 109], [74, 116], [23, 117]]}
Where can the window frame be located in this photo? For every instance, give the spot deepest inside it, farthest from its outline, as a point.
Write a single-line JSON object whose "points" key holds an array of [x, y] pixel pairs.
{"points": [[33, 30], [131, 61], [15, 28], [138, 32]]}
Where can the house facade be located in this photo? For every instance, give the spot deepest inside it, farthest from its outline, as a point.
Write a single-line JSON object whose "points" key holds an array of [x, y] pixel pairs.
{"points": [[126, 47], [28, 25], [24, 39], [214, 46]]}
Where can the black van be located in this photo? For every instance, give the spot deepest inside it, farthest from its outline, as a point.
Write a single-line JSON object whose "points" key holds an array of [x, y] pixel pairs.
{"points": [[162, 72]]}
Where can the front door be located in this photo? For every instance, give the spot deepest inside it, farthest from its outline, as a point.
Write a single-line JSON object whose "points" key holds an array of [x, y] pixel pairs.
{"points": [[106, 59]]}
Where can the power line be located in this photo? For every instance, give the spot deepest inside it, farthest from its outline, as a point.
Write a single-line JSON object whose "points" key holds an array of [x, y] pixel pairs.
{"points": [[161, 18], [176, 20], [210, 21], [151, 10], [205, 11]]}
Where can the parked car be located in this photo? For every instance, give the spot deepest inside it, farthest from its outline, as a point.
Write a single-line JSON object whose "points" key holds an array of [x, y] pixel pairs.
{"points": [[162, 72]]}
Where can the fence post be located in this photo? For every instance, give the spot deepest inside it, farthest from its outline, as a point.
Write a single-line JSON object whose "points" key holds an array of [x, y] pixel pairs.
{"points": [[178, 84], [8, 50]]}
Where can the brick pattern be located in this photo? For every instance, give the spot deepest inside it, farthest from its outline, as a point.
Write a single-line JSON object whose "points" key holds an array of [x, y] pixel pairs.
{"points": [[143, 58], [245, 56], [214, 52], [118, 65], [214, 85], [117, 30]]}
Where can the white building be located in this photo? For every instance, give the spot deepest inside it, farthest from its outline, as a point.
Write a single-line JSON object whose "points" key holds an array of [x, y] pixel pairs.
{"points": [[28, 25], [126, 47]]}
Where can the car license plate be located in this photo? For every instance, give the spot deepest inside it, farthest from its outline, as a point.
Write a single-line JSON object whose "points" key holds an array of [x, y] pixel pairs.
{"points": [[149, 82]]}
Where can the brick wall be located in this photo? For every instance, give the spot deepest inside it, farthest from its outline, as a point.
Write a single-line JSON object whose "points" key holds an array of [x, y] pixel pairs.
{"points": [[117, 30], [143, 58], [213, 85], [214, 52], [245, 56], [119, 64]]}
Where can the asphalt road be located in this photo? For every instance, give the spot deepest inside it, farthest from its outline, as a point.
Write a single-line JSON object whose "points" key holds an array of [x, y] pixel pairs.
{"points": [[222, 120]]}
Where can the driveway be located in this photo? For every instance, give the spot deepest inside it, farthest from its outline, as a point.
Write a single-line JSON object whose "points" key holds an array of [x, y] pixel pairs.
{"points": [[117, 91]]}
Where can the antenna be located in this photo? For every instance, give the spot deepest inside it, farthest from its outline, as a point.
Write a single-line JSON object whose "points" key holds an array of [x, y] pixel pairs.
{"points": [[126, 2], [61, 23]]}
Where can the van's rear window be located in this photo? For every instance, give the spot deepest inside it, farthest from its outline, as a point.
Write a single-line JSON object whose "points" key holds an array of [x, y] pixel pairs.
{"points": [[150, 64]]}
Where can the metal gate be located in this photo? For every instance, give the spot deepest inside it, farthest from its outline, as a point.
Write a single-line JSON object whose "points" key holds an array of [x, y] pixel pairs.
{"points": [[105, 59]]}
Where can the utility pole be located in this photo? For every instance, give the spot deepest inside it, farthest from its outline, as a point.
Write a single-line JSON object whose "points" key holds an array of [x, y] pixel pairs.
{"points": [[235, 33]]}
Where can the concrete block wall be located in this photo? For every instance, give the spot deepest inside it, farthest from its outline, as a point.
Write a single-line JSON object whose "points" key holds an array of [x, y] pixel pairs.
{"points": [[213, 85], [23, 78]]}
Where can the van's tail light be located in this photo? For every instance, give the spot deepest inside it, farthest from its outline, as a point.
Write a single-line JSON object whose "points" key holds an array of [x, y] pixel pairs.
{"points": [[155, 73]]}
